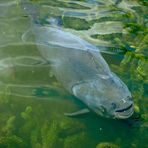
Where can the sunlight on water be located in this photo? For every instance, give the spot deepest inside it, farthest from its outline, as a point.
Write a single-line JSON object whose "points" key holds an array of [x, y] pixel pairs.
{"points": [[33, 102]]}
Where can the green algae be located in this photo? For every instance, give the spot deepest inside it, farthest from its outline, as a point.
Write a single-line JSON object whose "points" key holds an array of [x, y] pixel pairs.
{"points": [[11, 142], [41, 123], [76, 23], [107, 145]]}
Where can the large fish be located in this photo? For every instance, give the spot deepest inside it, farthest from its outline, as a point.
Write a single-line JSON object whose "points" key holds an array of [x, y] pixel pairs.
{"points": [[80, 68]]}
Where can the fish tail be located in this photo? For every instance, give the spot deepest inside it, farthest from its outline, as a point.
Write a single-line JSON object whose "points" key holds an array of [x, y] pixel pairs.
{"points": [[31, 9]]}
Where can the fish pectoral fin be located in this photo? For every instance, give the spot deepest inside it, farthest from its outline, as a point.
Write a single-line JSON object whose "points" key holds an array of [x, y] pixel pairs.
{"points": [[78, 113]]}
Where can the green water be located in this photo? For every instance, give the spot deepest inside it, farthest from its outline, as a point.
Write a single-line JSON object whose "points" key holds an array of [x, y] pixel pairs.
{"points": [[33, 103]]}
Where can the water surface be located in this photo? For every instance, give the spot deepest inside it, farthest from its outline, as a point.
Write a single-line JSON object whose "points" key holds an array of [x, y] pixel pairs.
{"points": [[33, 103]]}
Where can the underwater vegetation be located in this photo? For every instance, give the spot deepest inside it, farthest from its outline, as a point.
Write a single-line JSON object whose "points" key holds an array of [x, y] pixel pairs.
{"points": [[119, 29]]}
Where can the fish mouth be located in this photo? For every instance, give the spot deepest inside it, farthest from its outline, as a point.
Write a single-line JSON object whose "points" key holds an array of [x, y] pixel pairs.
{"points": [[125, 112]]}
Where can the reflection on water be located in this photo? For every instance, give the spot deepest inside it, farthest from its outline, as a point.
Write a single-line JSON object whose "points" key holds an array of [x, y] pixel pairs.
{"points": [[33, 103]]}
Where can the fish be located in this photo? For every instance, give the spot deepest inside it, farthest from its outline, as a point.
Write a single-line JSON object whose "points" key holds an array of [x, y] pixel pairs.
{"points": [[79, 66]]}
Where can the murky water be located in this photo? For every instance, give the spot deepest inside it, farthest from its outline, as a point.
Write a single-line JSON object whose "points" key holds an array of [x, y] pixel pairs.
{"points": [[33, 103]]}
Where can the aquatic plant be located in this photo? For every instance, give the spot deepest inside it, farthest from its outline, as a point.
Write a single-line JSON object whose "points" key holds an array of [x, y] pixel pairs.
{"points": [[11, 142], [37, 123], [9, 127], [107, 145]]}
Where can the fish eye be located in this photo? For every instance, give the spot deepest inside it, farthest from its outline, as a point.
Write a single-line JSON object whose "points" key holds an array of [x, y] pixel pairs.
{"points": [[114, 105], [129, 98]]}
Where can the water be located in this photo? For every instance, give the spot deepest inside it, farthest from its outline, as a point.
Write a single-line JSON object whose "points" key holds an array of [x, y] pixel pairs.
{"points": [[33, 103]]}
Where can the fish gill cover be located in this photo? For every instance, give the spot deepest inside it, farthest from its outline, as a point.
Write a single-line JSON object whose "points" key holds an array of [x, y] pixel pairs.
{"points": [[32, 102]]}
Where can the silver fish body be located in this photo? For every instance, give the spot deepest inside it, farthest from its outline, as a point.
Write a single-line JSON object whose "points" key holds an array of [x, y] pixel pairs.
{"points": [[80, 68]]}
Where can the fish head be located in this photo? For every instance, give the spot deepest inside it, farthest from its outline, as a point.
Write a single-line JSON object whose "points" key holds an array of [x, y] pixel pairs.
{"points": [[120, 100], [107, 96]]}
